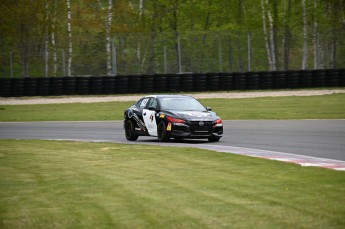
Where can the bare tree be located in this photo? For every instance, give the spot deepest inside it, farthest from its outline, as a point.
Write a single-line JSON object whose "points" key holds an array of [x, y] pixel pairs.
{"points": [[287, 33], [69, 31], [271, 37], [108, 38], [53, 42], [264, 26], [108, 22], [46, 40], [305, 36]]}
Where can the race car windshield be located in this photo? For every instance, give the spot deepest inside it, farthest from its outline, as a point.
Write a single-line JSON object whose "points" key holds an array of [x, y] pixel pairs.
{"points": [[182, 104]]}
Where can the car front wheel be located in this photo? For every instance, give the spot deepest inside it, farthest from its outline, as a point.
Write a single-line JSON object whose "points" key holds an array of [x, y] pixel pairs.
{"points": [[130, 131], [163, 135]]}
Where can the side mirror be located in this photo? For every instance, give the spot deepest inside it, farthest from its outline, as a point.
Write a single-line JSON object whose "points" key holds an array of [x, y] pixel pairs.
{"points": [[208, 108]]}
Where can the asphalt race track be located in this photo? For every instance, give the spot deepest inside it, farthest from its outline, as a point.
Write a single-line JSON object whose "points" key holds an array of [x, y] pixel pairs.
{"points": [[315, 138]]}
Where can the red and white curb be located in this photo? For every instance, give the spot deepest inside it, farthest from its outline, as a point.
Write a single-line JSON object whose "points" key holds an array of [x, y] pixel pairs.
{"points": [[279, 156], [302, 160]]}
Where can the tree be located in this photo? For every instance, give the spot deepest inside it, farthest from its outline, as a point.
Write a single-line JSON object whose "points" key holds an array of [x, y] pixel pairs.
{"points": [[305, 35], [70, 44]]}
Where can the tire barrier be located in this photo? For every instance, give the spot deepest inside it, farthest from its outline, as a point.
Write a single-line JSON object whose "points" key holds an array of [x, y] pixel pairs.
{"points": [[160, 83], [174, 83], [200, 82], [82, 86], [43, 86], [319, 78], [69, 85], [305, 79], [147, 83], [56, 86], [342, 77], [122, 84], [17, 87], [252, 80], [109, 85], [332, 77], [96, 85], [226, 83], [134, 84], [266, 80], [213, 80], [30, 86], [5, 87], [187, 82], [239, 81], [292, 79], [279, 79]]}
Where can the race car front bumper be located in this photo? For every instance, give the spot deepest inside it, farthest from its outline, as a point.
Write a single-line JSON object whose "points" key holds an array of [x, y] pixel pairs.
{"points": [[196, 129]]}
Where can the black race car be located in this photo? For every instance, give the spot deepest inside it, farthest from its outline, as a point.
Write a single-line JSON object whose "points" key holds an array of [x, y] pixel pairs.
{"points": [[171, 116]]}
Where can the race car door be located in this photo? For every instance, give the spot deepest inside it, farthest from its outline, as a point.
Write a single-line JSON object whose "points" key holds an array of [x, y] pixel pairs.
{"points": [[149, 115]]}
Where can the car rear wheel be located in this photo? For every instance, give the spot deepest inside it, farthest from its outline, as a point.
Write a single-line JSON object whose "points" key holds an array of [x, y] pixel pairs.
{"points": [[163, 135], [213, 139], [130, 131]]}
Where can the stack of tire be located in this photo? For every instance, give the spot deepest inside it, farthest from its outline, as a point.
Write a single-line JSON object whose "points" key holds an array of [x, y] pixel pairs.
{"points": [[147, 82], [292, 80], [213, 80], [265, 80], [252, 80], [17, 87], [30, 86], [226, 82], [279, 79], [96, 85], [5, 87], [319, 78], [109, 85], [332, 77], [174, 83], [82, 84], [342, 77], [160, 83], [134, 84], [43, 86], [122, 84], [69, 85], [56, 86], [187, 84], [200, 82], [239, 80], [305, 79]]}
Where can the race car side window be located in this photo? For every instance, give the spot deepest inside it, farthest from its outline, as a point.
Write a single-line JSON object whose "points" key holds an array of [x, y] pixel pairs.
{"points": [[142, 103], [152, 103]]}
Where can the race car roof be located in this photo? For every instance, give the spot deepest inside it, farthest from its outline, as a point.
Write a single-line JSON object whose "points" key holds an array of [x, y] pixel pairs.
{"points": [[168, 96]]}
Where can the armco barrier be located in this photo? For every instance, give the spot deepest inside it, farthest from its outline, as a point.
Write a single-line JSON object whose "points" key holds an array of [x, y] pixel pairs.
{"points": [[160, 83]]}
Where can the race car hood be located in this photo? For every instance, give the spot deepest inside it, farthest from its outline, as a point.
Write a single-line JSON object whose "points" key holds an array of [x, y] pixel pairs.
{"points": [[194, 115]]}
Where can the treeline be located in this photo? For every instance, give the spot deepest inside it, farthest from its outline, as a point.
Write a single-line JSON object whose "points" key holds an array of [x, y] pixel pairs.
{"points": [[124, 37]]}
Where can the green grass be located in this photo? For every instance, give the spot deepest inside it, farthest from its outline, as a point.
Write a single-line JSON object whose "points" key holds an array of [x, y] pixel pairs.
{"points": [[47, 184], [294, 107]]}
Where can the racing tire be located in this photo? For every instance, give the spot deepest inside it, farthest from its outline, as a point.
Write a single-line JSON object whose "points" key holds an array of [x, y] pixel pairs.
{"points": [[163, 135], [130, 131], [213, 139]]}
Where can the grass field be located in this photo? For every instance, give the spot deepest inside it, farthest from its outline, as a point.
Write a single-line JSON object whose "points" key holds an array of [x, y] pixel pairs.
{"points": [[294, 107], [50, 184]]}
